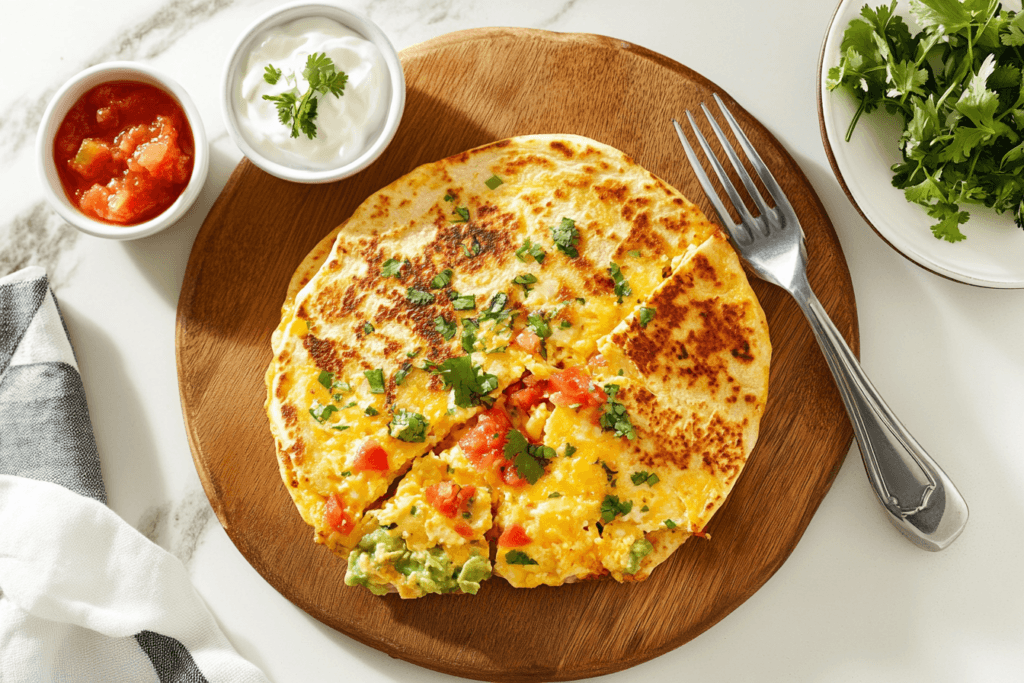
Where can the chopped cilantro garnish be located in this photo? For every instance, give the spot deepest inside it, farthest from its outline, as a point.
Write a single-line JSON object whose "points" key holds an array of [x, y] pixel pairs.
{"points": [[493, 182], [565, 324], [468, 338], [635, 253], [370, 410], [566, 237], [469, 382], [463, 215], [392, 268], [408, 426], [525, 456], [419, 297], [474, 248], [412, 510], [612, 508], [615, 418], [413, 353], [402, 373], [570, 450], [340, 428], [327, 379], [496, 308], [645, 509], [533, 250], [342, 385], [368, 328], [499, 349], [669, 524], [554, 494], [462, 302], [518, 557], [540, 326], [646, 316], [525, 281], [321, 412], [650, 478], [449, 198], [622, 287], [444, 327], [442, 279], [347, 473], [376, 380]]}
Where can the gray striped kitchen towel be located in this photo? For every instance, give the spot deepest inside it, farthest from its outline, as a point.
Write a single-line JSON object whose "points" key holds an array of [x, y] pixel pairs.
{"points": [[83, 595]]}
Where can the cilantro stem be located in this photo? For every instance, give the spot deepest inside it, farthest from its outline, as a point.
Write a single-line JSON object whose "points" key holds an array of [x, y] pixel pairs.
{"points": [[856, 116]]}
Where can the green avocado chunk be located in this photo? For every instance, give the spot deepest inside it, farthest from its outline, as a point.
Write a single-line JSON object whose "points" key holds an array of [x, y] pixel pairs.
{"points": [[641, 548], [429, 571]]}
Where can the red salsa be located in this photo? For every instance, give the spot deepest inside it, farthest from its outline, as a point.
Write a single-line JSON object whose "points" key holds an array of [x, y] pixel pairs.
{"points": [[124, 152]]}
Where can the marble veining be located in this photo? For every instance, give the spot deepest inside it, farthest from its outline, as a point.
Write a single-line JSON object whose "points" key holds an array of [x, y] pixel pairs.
{"points": [[39, 237], [144, 41], [178, 526]]}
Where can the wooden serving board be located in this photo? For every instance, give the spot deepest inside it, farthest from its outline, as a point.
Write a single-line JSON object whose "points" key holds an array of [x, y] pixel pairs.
{"points": [[466, 89]]}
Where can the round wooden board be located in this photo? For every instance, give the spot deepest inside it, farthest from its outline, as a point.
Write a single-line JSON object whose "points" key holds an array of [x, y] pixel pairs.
{"points": [[466, 89]]}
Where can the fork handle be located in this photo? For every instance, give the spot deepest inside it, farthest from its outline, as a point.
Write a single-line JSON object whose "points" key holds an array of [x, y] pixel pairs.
{"points": [[920, 499]]}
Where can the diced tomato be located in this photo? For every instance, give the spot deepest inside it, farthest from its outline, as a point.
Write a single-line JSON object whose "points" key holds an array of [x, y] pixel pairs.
{"points": [[530, 379], [573, 386], [449, 498], [484, 444], [598, 361], [514, 536], [371, 457], [511, 477], [528, 397], [528, 341], [464, 530], [336, 517]]}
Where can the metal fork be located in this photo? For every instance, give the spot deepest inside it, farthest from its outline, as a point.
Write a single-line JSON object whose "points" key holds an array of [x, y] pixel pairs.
{"points": [[920, 499]]}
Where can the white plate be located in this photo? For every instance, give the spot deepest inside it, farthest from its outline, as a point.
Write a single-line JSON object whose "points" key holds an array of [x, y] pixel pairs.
{"points": [[993, 253]]}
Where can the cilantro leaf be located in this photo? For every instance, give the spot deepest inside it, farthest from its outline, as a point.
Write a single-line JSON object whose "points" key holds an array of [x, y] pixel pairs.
{"points": [[469, 383], [419, 297], [463, 215], [566, 237], [615, 417], [526, 457], [611, 508], [408, 426], [533, 250], [444, 327], [493, 182], [646, 316], [518, 557], [462, 302], [299, 111], [321, 412], [525, 281], [392, 268], [442, 279], [622, 288], [376, 380]]}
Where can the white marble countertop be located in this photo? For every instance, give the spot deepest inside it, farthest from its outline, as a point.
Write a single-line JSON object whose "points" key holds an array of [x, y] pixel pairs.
{"points": [[855, 601]]}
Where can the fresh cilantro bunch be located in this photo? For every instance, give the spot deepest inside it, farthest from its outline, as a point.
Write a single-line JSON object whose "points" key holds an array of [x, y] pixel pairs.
{"points": [[957, 85], [299, 111]]}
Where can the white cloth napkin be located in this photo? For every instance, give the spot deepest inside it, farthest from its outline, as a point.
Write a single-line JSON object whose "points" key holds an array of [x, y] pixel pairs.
{"points": [[83, 595]]}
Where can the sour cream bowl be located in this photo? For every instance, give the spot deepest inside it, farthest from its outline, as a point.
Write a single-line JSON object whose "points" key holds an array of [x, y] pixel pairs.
{"points": [[352, 132]]}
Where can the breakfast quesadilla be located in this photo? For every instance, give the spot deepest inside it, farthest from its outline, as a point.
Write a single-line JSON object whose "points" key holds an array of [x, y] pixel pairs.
{"points": [[533, 359]]}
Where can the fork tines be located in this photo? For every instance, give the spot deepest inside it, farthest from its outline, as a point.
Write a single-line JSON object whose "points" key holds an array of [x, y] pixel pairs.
{"points": [[767, 218]]}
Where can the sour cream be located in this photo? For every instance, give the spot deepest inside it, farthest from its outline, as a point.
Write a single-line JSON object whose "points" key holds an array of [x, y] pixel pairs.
{"points": [[345, 125]]}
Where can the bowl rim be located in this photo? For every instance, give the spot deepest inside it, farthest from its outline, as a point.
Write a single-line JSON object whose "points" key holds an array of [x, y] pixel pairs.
{"points": [[62, 101], [350, 19]]}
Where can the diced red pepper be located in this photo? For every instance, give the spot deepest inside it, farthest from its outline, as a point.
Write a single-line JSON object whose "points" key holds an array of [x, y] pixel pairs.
{"points": [[336, 517], [573, 387], [370, 457], [514, 536], [511, 477], [464, 530]]}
